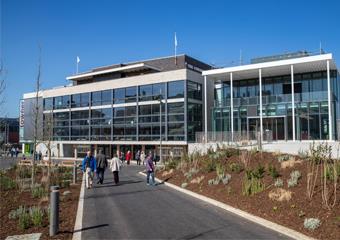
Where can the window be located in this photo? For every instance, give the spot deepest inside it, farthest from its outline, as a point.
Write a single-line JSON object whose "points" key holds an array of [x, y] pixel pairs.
{"points": [[194, 90], [96, 98], [48, 103], [176, 89], [119, 95], [61, 102], [80, 100], [130, 94]]}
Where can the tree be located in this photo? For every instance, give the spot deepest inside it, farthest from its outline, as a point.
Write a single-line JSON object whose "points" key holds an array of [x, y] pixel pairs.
{"points": [[36, 115], [47, 141]]}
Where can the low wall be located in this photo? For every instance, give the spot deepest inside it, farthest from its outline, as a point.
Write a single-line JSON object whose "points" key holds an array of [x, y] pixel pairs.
{"points": [[283, 147]]}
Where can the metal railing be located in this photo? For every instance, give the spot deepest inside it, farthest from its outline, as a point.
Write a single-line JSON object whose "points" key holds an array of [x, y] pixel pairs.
{"points": [[243, 137], [283, 98]]}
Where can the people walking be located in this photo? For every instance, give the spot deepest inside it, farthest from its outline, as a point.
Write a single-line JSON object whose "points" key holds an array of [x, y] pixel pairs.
{"points": [[89, 167], [150, 171], [101, 166], [142, 157], [128, 157], [137, 157], [115, 167]]}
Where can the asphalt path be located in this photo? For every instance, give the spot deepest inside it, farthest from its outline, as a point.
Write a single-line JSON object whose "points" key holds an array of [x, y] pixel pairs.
{"points": [[133, 210], [7, 162]]}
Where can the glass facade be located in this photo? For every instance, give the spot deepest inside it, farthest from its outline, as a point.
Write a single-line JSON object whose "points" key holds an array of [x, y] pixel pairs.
{"points": [[133, 114], [311, 106]]}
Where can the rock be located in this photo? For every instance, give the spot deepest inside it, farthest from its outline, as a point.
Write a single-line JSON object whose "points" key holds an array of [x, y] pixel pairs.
{"points": [[33, 236], [66, 193]]}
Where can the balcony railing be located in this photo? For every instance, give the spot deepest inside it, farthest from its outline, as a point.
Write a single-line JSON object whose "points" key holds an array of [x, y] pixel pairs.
{"points": [[284, 98], [244, 137]]}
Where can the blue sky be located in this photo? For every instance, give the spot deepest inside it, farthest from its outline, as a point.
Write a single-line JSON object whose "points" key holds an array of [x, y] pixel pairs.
{"points": [[104, 32]]}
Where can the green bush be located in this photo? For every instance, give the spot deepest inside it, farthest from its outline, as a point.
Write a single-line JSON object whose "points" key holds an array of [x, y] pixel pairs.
{"points": [[171, 164], [209, 165], [278, 182], [273, 172], [6, 183], [258, 173], [24, 220], [14, 214], [38, 192], [23, 172], [283, 158], [294, 177], [252, 186], [235, 167], [37, 216]]}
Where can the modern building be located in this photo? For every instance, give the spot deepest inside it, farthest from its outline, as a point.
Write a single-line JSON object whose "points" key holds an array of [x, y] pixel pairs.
{"points": [[9, 131], [137, 105], [289, 97]]}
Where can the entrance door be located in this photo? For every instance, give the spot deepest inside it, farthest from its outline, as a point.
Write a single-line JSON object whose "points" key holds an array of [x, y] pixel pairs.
{"points": [[273, 128]]}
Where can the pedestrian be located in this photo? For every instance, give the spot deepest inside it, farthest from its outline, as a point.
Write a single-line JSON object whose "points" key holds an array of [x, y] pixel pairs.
{"points": [[16, 152], [154, 157], [137, 157], [142, 157], [150, 171], [128, 157], [115, 167], [89, 168], [122, 157], [40, 155], [12, 152], [101, 166]]}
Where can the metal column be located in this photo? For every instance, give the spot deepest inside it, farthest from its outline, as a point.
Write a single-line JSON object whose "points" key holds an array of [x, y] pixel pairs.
{"points": [[293, 100], [205, 111], [231, 107], [261, 112], [330, 124]]}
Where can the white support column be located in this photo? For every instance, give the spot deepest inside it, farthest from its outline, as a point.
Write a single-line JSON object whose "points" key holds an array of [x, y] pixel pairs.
{"points": [[293, 100], [205, 111], [261, 111], [231, 107], [330, 123]]}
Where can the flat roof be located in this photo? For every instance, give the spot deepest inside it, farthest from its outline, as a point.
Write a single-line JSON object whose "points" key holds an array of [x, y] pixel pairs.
{"points": [[129, 68], [280, 67]]}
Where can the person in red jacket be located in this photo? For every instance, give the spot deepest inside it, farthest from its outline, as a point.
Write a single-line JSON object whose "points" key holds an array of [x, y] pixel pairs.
{"points": [[128, 157]]}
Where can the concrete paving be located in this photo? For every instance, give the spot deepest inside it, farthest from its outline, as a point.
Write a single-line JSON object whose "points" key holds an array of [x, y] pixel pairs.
{"points": [[7, 162], [133, 210]]}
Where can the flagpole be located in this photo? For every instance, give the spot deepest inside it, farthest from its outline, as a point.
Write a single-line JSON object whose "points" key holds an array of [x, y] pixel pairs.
{"points": [[175, 49]]}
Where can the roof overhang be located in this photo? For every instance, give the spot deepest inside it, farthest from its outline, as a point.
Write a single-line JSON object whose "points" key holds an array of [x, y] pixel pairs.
{"points": [[128, 68], [274, 68]]}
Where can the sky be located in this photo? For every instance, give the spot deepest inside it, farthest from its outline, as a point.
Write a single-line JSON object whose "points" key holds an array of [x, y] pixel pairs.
{"points": [[104, 32]]}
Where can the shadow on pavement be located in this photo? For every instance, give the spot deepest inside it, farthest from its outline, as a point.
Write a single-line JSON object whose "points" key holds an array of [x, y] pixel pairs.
{"points": [[201, 234], [112, 184], [115, 194], [92, 227]]}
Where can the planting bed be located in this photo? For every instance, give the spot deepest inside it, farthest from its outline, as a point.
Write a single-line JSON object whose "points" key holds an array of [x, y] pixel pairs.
{"points": [[13, 198], [290, 213]]}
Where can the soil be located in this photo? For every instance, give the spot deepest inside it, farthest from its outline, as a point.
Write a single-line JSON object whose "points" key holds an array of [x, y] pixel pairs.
{"points": [[290, 214], [12, 199]]}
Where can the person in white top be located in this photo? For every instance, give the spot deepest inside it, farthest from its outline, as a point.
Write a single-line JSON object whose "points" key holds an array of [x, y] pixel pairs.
{"points": [[115, 167], [142, 157]]}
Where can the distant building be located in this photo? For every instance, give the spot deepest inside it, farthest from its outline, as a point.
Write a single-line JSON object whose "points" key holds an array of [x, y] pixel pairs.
{"points": [[9, 131]]}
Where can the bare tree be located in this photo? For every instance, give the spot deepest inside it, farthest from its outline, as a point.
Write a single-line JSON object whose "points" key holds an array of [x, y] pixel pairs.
{"points": [[36, 117], [2, 98], [48, 123]]}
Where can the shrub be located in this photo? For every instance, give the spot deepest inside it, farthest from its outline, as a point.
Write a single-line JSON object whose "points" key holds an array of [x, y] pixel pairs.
{"points": [[190, 173], [172, 164], [278, 182], [6, 183], [311, 223], [197, 180], [220, 169], [303, 154], [37, 215], [184, 185], [259, 172], [235, 167], [252, 186], [38, 192], [226, 179], [14, 214], [209, 165], [273, 172], [283, 158], [24, 220], [280, 195], [211, 181], [294, 177], [23, 172]]}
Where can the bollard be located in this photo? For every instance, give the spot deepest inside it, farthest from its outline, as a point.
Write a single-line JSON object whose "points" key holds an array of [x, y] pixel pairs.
{"points": [[54, 211], [74, 172]]}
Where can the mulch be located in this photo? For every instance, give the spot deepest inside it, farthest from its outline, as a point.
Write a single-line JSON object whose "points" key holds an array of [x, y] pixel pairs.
{"points": [[12, 199], [290, 214]]}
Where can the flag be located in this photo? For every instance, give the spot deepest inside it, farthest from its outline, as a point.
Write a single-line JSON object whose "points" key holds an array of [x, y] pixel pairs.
{"points": [[175, 40], [78, 59]]}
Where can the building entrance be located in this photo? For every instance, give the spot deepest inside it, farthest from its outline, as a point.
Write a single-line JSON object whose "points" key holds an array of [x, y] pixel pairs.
{"points": [[274, 128]]}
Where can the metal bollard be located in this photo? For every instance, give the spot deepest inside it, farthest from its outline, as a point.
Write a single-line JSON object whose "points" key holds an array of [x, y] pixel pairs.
{"points": [[74, 172], [54, 211]]}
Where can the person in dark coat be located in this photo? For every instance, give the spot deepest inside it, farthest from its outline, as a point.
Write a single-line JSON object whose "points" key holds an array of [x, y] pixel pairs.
{"points": [[101, 166]]}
